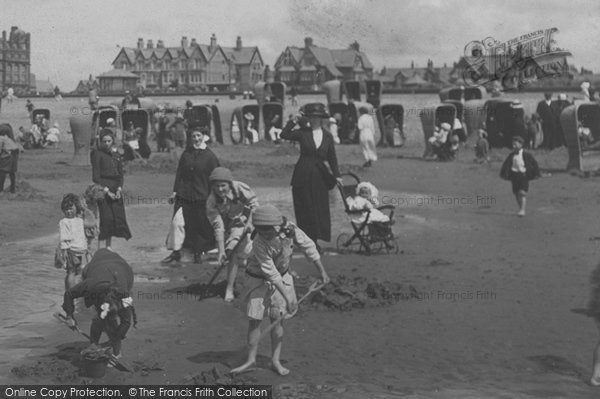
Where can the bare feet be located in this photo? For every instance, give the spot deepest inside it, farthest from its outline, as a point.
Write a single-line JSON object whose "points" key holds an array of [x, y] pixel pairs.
{"points": [[521, 213], [279, 369], [229, 296], [242, 368], [595, 382]]}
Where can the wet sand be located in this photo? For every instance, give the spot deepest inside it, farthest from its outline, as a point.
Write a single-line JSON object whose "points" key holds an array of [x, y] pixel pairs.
{"points": [[494, 316]]}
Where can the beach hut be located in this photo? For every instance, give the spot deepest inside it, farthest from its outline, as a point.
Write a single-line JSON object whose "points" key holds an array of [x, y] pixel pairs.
{"points": [[333, 91], [374, 90], [352, 90], [81, 131], [389, 135], [585, 158], [474, 116], [238, 123], [504, 120], [141, 118], [206, 118], [433, 116], [462, 93], [100, 119], [271, 101], [44, 112]]}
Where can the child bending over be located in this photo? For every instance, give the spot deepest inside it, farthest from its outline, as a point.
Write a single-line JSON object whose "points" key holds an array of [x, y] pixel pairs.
{"points": [[229, 208]]}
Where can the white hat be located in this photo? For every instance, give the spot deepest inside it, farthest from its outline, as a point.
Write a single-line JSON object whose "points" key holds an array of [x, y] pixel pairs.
{"points": [[249, 116], [446, 126], [332, 120], [562, 96], [110, 120], [516, 105]]}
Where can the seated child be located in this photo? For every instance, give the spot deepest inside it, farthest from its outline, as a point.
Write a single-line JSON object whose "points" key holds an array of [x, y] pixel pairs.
{"points": [[585, 136], [482, 147], [366, 200], [73, 243], [440, 136], [271, 285], [275, 129], [229, 210]]}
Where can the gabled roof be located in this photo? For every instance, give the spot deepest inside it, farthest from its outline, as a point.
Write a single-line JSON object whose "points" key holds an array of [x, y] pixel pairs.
{"points": [[129, 53], [160, 52], [44, 86], [324, 59], [118, 73], [242, 56]]}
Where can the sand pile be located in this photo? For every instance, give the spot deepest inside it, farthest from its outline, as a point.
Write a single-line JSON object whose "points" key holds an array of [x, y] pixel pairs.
{"points": [[60, 371], [344, 294]]}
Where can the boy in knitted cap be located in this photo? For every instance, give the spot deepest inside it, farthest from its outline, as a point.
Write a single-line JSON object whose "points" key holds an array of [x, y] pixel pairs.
{"points": [[229, 209], [272, 286], [520, 167]]}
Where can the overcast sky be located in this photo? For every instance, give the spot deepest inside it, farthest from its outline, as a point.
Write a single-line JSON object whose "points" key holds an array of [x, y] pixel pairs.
{"points": [[73, 38]]}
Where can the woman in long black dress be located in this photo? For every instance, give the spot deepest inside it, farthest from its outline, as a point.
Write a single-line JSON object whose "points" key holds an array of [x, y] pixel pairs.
{"points": [[107, 171], [311, 180], [191, 191]]}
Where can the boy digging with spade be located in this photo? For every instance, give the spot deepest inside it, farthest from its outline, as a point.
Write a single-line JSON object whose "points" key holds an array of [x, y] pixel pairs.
{"points": [[271, 283]]}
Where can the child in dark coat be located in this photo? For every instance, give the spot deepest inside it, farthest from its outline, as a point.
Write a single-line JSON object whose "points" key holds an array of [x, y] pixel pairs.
{"points": [[520, 167]]}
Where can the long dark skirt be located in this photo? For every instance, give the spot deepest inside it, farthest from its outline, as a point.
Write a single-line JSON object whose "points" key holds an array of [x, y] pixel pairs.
{"points": [[311, 208], [6, 163], [199, 234], [112, 219]]}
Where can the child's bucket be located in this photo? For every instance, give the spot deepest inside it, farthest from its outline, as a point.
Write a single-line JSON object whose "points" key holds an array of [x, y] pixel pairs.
{"points": [[95, 368]]}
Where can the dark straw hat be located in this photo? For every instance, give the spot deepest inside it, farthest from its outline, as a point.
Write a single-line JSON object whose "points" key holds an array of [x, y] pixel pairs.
{"points": [[315, 109]]}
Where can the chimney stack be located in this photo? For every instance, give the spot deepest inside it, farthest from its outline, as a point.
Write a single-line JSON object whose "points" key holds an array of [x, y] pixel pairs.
{"points": [[150, 44], [238, 43], [308, 41], [140, 43], [193, 42], [184, 42], [213, 42], [160, 44]]}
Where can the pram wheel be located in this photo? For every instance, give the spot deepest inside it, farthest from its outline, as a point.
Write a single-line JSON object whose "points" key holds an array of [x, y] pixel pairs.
{"points": [[392, 246], [345, 246]]}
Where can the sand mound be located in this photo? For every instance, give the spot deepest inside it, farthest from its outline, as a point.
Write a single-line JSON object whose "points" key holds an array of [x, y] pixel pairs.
{"points": [[344, 294], [59, 370]]}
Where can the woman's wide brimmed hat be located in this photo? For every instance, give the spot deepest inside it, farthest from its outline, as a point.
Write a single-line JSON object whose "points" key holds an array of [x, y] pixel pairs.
{"points": [[249, 116], [267, 215], [315, 109]]}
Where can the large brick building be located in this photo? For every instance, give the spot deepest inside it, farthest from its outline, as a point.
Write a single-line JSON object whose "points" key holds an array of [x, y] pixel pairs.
{"points": [[192, 64], [312, 65], [15, 65]]}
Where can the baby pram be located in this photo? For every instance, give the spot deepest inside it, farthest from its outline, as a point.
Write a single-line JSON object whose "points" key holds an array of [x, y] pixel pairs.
{"points": [[368, 237]]}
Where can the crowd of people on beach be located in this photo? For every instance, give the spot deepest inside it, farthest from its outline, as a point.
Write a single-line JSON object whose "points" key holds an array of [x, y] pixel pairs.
{"points": [[212, 210]]}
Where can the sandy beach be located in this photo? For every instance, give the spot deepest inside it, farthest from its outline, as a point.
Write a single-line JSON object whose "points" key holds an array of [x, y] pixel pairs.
{"points": [[493, 311]]}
